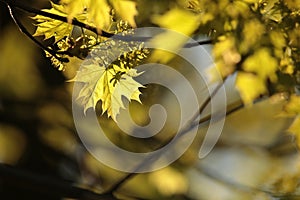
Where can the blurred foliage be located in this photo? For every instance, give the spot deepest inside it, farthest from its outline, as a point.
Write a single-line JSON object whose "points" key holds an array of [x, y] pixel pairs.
{"points": [[254, 158]]}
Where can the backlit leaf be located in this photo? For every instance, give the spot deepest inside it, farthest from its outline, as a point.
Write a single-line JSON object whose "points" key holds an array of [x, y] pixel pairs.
{"points": [[177, 20], [262, 63], [107, 85], [97, 12], [250, 87], [126, 10], [49, 27]]}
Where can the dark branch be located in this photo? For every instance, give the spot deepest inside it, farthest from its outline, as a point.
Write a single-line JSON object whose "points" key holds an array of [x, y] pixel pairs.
{"points": [[39, 44], [194, 44], [75, 22]]}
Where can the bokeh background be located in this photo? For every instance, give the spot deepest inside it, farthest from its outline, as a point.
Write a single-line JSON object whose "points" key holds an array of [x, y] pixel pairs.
{"points": [[254, 159]]}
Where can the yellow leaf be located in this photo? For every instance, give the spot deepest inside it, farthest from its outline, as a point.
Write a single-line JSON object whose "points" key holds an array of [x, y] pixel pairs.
{"points": [[277, 39], [74, 7], [49, 27], [226, 55], [252, 32], [183, 22], [262, 63], [97, 12], [107, 85], [178, 20], [126, 10], [250, 87]]}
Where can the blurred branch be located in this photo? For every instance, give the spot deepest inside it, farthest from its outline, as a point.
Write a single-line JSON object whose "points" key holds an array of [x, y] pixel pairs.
{"points": [[47, 185]]}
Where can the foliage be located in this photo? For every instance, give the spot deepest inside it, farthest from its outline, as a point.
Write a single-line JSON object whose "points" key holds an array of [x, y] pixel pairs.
{"points": [[109, 80], [258, 40]]}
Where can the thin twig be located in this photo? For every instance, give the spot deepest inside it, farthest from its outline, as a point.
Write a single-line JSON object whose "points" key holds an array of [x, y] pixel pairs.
{"points": [[194, 44]]}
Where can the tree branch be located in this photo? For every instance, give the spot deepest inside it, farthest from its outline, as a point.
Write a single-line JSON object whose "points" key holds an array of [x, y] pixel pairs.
{"points": [[39, 44], [75, 22], [21, 6]]}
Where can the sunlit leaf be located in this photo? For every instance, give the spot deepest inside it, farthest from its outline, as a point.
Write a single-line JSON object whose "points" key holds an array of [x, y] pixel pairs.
{"points": [[74, 7], [107, 85], [250, 86], [252, 32], [178, 20], [126, 9], [49, 27], [262, 63], [97, 12]]}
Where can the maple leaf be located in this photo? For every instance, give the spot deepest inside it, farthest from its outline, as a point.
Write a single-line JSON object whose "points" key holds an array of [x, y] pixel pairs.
{"points": [[49, 27], [74, 7], [107, 85], [98, 12]]}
